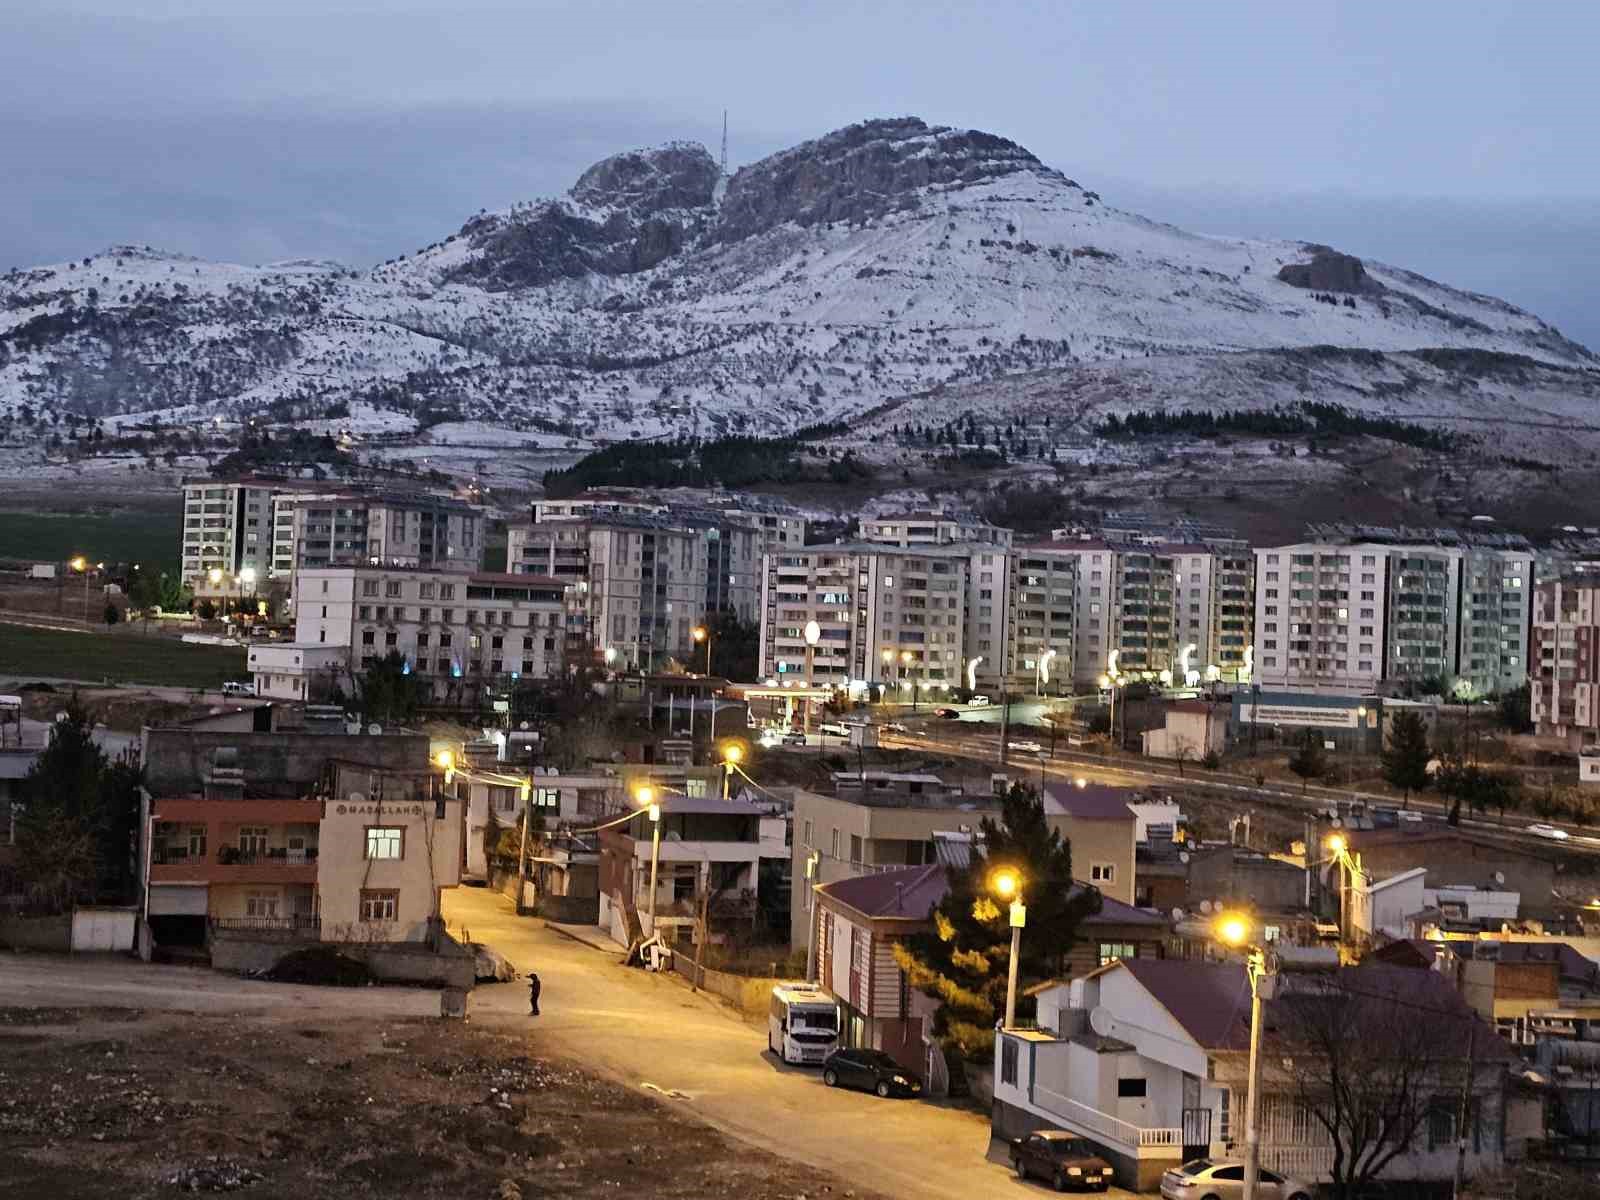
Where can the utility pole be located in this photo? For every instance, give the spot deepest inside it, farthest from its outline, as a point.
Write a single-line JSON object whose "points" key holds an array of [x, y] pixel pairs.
{"points": [[1466, 1110], [1005, 717], [522, 852]]}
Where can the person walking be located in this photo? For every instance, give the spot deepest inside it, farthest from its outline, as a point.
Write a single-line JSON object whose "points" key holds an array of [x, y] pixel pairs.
{"points": [[533, 994]]}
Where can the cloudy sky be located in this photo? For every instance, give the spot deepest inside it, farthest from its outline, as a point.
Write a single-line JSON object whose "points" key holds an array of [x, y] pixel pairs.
{"points": [[1451, 137]]}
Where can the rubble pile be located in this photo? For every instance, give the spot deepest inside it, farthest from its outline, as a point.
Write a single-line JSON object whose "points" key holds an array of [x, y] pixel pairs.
{"points": [[213, 1174]]}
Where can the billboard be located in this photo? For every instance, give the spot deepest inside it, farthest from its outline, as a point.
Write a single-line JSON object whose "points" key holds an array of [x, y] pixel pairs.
{"points": [[1298, 715]]}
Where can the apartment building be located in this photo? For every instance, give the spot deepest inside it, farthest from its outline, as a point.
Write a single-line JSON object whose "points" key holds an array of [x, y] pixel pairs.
{"points": [[1365, 607], [453, 628], [890, 616], [227, 528], [1043, 603], [780, 525], [1566, 658], [642, 582], [931, 529], [351, 528]]}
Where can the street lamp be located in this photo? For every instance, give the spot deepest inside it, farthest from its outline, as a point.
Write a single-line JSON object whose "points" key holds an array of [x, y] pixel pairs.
{"points": [[1338, 848], [81, 564], [888, 662], [1110, 682], [813, 635], [701, 634], [731, 757], [1234, 929], [1043, 674], [905, 665], [646, 797], [1006, 883]]}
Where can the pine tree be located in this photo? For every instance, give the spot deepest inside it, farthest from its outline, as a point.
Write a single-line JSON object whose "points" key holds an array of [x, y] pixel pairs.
{"points": [[1405, 757], [1309, 762], [964, 960]]}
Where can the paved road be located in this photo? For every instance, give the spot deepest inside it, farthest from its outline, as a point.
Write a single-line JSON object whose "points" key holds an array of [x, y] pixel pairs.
{"points": [[53, 981], [645, 1028]]}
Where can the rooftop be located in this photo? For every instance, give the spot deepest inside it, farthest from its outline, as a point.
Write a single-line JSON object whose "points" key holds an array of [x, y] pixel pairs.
{"points": [[1089, 802], [908, 894]]}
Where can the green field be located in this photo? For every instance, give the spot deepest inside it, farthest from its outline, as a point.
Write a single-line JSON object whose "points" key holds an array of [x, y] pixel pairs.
{"points": [[119, 658], [149, 535]]}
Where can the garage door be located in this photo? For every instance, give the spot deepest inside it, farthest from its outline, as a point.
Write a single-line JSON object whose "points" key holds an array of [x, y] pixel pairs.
{"points": [[178, 900], [102, 930]]}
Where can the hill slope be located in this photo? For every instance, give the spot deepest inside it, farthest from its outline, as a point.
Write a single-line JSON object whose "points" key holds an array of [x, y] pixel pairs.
{"points": [[881, 261]]}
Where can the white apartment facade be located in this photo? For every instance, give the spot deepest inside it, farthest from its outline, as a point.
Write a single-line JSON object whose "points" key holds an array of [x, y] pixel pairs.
{"points": [[344, 528], [227, 528], [1349, 617], [453, 628], [1565, 691], [891, 616], [931, 529]]}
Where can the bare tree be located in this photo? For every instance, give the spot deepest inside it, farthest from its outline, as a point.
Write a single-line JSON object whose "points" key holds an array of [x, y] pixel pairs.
{"points": [[1368, 1053]]}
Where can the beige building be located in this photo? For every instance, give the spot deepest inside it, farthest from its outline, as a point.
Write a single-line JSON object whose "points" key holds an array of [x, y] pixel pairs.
{"points": [[453, 628], [931, 529], [887, 616], [227, 528], [842, 838], [345, 528]]}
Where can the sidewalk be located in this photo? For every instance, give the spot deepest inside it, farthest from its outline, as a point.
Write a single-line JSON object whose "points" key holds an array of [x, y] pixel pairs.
{"points": [[592, 936]]}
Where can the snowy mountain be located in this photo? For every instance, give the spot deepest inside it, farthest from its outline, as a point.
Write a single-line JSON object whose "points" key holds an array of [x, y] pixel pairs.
{"points": [[887, 260]]}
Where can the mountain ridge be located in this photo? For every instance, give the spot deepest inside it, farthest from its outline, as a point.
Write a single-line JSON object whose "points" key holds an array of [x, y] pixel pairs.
{"points": [[879, 261]]}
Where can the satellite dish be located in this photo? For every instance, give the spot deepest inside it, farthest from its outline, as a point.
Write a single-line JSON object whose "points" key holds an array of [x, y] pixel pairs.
{"points": [[1183, 856], [1177, 914], [1499, 877], [1336, 823], [374, 729], [357, 798], [1101, 1020], [1333, 814], [60, 717], [1205, 908]]}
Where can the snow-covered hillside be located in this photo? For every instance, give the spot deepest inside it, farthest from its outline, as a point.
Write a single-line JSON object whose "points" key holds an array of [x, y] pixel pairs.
{"points": [[879, 262]]}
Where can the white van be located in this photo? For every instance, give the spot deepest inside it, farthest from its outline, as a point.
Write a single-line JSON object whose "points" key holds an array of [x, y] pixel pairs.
{"points": [[979, 702], [802, 1023], [238, 687]]}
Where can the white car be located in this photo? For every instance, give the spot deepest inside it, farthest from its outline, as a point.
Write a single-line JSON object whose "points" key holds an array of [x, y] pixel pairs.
{"points": [[1025, 747], [237, 687], [892, 727], [1549, 831], [1203, 1179], [979, 702]]}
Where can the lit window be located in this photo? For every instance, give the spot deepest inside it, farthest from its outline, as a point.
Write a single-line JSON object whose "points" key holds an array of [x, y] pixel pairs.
{"points": [[379, 904], [386, 841]]}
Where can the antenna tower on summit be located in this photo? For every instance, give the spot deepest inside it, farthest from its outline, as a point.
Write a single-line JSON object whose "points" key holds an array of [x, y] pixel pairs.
{"points": [[724, 143]]}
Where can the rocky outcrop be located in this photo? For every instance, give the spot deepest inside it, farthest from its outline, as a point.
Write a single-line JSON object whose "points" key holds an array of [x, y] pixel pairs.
{"points": [[1330, 271], [628, 213], [861, 172]]}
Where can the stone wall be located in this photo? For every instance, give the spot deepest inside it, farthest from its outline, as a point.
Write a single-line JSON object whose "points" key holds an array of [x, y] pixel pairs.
{"points": [[750, 995]]}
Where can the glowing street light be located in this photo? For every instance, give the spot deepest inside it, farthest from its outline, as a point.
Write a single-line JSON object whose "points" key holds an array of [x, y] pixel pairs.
{"points": [[732, 755], [1235, 930], [645, 796], [1006, 883], [81, 565]]}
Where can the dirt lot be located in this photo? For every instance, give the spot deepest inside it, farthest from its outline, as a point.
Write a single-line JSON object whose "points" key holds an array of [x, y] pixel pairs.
{"points": [[115, 1102]]}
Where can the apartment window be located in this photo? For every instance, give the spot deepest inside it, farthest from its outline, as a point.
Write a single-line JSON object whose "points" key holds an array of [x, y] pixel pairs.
{"points": [[1111, 952], [447, 591], [252, 839], [835, 848], [391, 589], [261, 904], [1008, 1060], [503, 799], [1102, 872], [806, 841], [364, 612], [369, 587], [855, 849], [380, 904], [1130, 1089], [367, 637], [386, 841], [425, 591]]}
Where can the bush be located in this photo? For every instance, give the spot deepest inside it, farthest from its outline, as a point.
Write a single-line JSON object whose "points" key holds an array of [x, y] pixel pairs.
{"points": [[321, 965]]}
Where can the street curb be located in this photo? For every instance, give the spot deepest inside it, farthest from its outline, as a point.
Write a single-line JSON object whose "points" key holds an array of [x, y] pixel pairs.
{"points": [[572, 935]]}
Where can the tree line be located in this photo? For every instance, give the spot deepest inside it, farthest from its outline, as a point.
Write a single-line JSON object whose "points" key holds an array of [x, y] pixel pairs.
{"points": [[1307, 418]]}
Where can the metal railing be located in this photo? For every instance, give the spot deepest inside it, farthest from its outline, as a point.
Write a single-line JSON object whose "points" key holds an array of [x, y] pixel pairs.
{"points": [[1308, 1162], [230, 856], [1104, 1124]]}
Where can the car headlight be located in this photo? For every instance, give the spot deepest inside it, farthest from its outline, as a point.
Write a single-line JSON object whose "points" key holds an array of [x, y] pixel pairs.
{"points": [[902, 1081], [1074, 1170]]}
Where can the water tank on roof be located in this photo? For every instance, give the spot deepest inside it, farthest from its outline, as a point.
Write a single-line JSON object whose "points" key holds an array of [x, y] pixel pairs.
{"points": [[374, 729]]}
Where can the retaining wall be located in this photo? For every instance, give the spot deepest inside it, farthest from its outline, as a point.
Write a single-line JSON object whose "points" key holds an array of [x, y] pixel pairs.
{"points": [[393, 962], [751, 995], [50, 934]]}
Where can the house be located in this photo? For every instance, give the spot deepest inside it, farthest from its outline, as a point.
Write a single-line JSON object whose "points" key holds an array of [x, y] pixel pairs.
{"points": [[1234, 875], [1096, 819], [252, 821], [1531, 991], [1453, 857], [1149, 1059], [709, 859], [1193, 730], [858, 921], [838, 837]]}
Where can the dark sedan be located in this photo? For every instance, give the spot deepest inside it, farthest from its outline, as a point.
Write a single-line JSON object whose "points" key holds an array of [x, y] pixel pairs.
{"points": [[871, 1071], [1062, 1159]]}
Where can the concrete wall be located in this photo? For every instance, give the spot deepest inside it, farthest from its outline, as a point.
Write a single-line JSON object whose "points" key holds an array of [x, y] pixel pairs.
{"points": [[248, 953], [281, 763], [50, 934], [751, 996]]}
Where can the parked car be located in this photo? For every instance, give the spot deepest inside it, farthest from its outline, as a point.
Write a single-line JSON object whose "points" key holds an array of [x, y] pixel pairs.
{"points": [[1203, 1179], [892, 727], [950, 714], [238, 687], [871, 1071], [1025, 747], [1549, 831], [979, 702], [794, 739], [1063, 1159]]}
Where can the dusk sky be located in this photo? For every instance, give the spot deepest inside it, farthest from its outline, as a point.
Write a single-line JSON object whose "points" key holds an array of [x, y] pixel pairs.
{"points": [[1453, 139]]}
